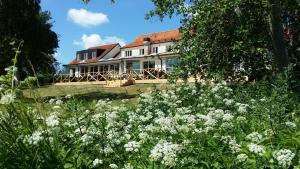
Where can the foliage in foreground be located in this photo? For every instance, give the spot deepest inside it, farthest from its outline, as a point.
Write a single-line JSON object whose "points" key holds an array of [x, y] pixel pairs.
{"points": [[209, 126]]}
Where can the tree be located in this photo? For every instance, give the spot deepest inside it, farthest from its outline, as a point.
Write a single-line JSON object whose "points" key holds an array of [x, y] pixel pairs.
{"points": [[23, 20], [225, 33]]}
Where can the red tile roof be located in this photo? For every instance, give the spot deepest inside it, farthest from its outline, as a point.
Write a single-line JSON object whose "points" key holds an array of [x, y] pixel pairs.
{"points": [[107, 49], [160, 37]]}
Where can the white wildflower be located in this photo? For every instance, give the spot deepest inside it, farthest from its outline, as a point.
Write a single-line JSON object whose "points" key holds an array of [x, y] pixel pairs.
{"points": [[269, 132], [128, 166], [290, 124], [228, 102], [284, 157], [86, 139], [7, 98], [232, 143], [68, 96], [241, 119], [52, 121], [51, 101], [242, 108], [132, 146], [97, 162], [34, 138], [227, 117], [166, 152], [242, 158], [113, 166], [256, 149], [254, 137], [59, 102]]}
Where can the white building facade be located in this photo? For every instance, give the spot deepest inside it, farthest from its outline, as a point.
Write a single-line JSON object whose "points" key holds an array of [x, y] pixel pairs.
{"points": [[150, 56]]}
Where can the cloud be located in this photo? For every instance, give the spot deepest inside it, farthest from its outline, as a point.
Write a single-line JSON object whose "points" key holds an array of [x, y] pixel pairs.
{"points": [[86, 18], [95, 40]]}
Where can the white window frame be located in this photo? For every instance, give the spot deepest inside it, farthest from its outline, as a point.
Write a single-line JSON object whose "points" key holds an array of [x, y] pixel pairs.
{"points": [[155, 50], [142, 52], [128, 53]]}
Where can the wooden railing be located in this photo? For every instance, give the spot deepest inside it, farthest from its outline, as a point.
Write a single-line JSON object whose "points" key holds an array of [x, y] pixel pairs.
{"points": [[137, 74]]}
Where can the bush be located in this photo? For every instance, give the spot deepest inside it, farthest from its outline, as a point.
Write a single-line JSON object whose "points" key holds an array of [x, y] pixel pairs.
{"points": [[210, 126]]}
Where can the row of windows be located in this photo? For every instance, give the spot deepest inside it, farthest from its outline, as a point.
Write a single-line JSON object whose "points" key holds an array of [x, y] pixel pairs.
{"points": [[142, 51], [86, 55]]}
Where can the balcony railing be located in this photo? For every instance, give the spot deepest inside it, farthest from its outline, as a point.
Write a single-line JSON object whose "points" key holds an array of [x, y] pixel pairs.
{"points": [[137, 74]]}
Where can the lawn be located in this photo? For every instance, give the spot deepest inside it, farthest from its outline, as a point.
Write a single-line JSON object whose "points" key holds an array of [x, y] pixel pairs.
{"points": [[91, 92]]}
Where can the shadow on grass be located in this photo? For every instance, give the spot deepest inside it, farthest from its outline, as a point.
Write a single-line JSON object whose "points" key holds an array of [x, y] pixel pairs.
{"points": [[102, 96]]}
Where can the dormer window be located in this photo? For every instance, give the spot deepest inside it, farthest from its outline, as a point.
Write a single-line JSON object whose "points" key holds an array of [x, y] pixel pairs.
{"points": [[142, 52], [128, 53], [155, 50], [81, 57], [94, 54], [85, 55]]}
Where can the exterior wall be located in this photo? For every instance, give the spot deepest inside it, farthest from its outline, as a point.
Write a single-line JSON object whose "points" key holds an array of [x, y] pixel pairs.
{"points": [[162, 48], [135, 51]]}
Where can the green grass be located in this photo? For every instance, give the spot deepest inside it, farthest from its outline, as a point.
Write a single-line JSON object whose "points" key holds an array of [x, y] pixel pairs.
{"points": [[91, 92]]}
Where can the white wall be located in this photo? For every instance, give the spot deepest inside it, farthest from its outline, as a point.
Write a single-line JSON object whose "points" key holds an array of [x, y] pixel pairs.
{"points": [[162, 48]]}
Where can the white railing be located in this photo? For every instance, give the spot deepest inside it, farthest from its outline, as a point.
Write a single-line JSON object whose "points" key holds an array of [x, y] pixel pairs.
{"points": [[137, 74]]}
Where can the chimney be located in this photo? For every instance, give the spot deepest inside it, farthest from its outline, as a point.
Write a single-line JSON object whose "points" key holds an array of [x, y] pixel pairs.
{"points": [[147, 43]]}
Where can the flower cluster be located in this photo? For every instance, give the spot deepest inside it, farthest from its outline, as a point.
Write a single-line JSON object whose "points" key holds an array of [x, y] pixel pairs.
{"points": [[132, 146], [166, 152], [284, 157], [7, 98]]}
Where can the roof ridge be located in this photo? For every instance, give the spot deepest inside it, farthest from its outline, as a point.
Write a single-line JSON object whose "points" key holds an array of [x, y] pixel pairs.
{"points": [[157, 32]]}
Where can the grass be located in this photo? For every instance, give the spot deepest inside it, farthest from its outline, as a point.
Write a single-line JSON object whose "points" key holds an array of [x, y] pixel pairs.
{"points": [[91, 92]]}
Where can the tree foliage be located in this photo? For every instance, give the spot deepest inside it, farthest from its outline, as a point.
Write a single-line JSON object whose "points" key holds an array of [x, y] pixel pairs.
{"points": [[219, 35], [23, 20]]}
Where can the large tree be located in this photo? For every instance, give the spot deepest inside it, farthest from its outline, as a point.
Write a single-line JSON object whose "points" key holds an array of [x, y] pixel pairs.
{"points": [[220, 34], [23, 20]]}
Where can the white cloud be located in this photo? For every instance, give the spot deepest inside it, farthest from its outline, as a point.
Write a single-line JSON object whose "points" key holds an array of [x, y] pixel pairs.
{"points": [[114, 39], [95, 40], [86, 18]]}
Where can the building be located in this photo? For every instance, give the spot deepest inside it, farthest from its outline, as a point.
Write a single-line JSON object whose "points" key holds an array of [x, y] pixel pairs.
{"points": [[148, 57]]}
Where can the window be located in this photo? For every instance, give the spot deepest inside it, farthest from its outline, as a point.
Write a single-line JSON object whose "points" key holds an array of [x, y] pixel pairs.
{"points": [[94, 54], [149, 65], [128, 53], [85, 55], [155, 50], [142, 51], [169, 49], [81, 57], [170, 63], [90, 55]]}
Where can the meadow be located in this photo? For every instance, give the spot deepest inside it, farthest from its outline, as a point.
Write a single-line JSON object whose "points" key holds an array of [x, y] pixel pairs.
{"points": [[209, 125]]}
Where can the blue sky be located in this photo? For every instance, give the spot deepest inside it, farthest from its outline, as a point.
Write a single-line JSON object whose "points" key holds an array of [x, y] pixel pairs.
{"points": [[100, 22]]}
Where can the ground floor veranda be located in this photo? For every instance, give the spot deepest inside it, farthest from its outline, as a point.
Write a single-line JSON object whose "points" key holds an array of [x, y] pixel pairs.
{"points": [[135, 68]]}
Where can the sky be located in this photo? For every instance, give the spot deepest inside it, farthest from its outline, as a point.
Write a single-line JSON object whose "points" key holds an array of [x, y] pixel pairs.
{"points": [[100, 22]]}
